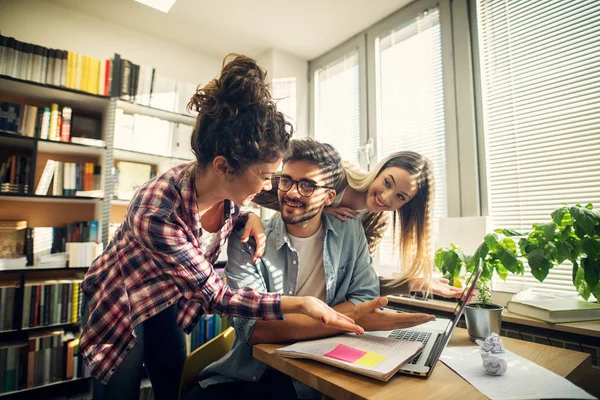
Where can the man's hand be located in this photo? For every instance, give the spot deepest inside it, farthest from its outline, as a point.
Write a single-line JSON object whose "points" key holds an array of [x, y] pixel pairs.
{"points": [[371, 318]]}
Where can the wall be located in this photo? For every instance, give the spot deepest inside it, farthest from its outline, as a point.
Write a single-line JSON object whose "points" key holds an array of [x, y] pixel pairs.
{"points": [[54, 26], [283, 65]]}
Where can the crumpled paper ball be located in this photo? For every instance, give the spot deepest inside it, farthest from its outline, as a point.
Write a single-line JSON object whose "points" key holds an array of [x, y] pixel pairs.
{"points": [[493, 364], [492, 343]]}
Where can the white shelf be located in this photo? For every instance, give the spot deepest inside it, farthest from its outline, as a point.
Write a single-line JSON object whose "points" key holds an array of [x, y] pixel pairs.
{"points": [[132, 108], [50, 146], [48, 199], [33, 92], [118, 202]]}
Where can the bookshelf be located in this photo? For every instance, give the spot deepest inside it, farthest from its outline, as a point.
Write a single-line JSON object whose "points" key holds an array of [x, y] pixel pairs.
{"points": [[50, 210]]}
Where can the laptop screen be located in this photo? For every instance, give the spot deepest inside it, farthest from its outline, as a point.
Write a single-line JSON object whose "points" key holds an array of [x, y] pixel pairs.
{"points": [[465, 298], [460, 307]]}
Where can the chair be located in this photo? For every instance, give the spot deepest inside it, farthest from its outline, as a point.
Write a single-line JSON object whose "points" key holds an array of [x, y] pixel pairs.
{"points": [[203, 356]]}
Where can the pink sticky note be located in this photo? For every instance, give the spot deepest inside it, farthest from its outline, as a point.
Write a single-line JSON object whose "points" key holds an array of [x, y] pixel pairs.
{"points": [[345, 353]]}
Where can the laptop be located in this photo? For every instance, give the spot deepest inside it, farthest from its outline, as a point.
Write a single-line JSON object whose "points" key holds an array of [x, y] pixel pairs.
{"points": [[434, 335]]}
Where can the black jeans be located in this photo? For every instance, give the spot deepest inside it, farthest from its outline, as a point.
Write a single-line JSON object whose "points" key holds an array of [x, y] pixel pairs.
{"points": [[160, 348], [273, 385]]}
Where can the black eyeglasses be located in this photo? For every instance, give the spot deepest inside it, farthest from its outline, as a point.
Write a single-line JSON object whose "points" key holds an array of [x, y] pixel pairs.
{"points": [[305, 188]]}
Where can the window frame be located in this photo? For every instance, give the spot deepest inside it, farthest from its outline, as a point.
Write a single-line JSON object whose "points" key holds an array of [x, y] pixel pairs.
{"points": [[400, 17], [358, 44]]}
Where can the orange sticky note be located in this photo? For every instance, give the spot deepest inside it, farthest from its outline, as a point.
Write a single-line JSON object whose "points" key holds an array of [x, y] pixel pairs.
{"points": [[370, 359]]}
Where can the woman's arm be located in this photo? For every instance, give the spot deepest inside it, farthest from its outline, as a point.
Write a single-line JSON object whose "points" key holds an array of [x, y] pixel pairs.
{"points": [[438, 286], [162, 235]]}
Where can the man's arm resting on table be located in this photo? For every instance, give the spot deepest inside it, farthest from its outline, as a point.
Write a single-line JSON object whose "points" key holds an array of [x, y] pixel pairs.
{"points": [[294, 327]]}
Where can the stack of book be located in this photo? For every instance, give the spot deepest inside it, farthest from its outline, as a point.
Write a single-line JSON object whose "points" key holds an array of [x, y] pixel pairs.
{"points": [[70, 179], [55, 67], [44, 359], [142, 84], [15, 174], [50, 244], [8, 293], [51, 303]]}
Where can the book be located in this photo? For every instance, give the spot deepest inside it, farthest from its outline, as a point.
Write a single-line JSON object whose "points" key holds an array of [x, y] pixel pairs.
{"points": [[373, 356], [557, 310]]}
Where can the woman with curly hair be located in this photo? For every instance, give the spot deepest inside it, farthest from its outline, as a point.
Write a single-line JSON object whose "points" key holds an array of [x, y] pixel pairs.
{"points": [[155, 278]]}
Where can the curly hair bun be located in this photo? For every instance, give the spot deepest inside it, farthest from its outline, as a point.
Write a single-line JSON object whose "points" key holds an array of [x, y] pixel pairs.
{"points": [[240, 85]]}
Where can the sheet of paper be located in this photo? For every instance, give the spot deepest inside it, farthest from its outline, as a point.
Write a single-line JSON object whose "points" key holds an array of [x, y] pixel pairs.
{"points": [[395, 351], [522, 380]]}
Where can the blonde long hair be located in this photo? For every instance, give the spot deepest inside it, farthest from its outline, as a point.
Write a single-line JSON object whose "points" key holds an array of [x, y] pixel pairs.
{"points": [[412, 223]]}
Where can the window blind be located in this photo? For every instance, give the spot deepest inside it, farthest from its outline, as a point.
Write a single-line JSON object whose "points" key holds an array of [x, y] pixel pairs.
{"points": [[336, 106], [410, 107], [540, 76]]}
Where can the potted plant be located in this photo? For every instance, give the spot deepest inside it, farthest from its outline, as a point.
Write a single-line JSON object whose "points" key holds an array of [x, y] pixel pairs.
{"points": [[573, 235], [498, 254]]}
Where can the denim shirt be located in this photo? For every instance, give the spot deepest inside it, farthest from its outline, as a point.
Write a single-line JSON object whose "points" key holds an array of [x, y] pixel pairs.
{"points": [[349, 276]]}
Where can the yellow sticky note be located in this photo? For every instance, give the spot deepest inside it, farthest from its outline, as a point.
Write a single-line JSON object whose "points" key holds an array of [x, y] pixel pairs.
{"points": [[370, 359]]}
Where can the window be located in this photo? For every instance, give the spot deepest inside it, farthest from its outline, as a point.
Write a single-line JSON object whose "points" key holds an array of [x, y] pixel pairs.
{"points": [[540, 78], [409, 102], [284, 93], [336, 106]]}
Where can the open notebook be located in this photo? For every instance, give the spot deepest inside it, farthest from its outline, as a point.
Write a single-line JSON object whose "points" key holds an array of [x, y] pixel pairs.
{"points": [[376, 357]]}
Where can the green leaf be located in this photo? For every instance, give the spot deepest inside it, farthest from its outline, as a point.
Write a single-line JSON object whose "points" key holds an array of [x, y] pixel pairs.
{"points": [[558, 216], [591, 272], [520, 267], [525, 246], [451, 262], [585, 219], [574, 273], [502, 272], [540, 266], [589, 206], [508, 260], [548, 231], [491, 239], [509, 244], [581, 284], [480, 254], [563, 251], [591, 247], [438, 259], [508, 232], [488, 271]]}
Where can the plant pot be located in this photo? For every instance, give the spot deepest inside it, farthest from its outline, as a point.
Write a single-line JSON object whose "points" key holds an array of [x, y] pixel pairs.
{"points": [[483, 319]]}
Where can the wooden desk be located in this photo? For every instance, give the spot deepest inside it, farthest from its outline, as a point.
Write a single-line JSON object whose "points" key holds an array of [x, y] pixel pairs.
{"points": [[587, 328], [443, 383]]}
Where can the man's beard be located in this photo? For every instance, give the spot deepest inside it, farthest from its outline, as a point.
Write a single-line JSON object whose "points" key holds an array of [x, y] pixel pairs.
{"points": [[306, 214]]}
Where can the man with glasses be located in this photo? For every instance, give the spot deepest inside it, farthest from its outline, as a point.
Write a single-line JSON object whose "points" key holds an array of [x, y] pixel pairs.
{"points": [[308, 252]]}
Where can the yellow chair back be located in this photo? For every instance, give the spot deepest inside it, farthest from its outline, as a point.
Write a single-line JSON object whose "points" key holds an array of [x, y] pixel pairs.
{"points": [[202, 357]]}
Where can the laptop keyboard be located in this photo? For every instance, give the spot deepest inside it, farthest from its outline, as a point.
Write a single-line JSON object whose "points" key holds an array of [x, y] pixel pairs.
{"points": [[411, 336]]}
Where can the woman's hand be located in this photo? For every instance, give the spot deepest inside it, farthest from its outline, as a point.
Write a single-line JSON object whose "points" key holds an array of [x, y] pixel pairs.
{"points": [[341, 213], [438, 286], [372, 318], [254, 228], [319, 311]]}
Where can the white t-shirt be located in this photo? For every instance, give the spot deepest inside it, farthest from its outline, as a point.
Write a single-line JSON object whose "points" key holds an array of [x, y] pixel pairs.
{"points": [[210, 241], [311, 271]]}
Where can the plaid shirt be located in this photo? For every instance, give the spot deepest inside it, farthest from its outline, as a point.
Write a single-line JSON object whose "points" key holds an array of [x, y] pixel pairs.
{"points": [[153, 261]]}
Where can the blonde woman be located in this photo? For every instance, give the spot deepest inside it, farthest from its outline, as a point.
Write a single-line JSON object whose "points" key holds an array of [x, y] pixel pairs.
{"points": [[400, 187]]}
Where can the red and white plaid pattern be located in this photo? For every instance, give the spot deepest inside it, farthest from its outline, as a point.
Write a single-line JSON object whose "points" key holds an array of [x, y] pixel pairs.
{"points": [[154, 260]]}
